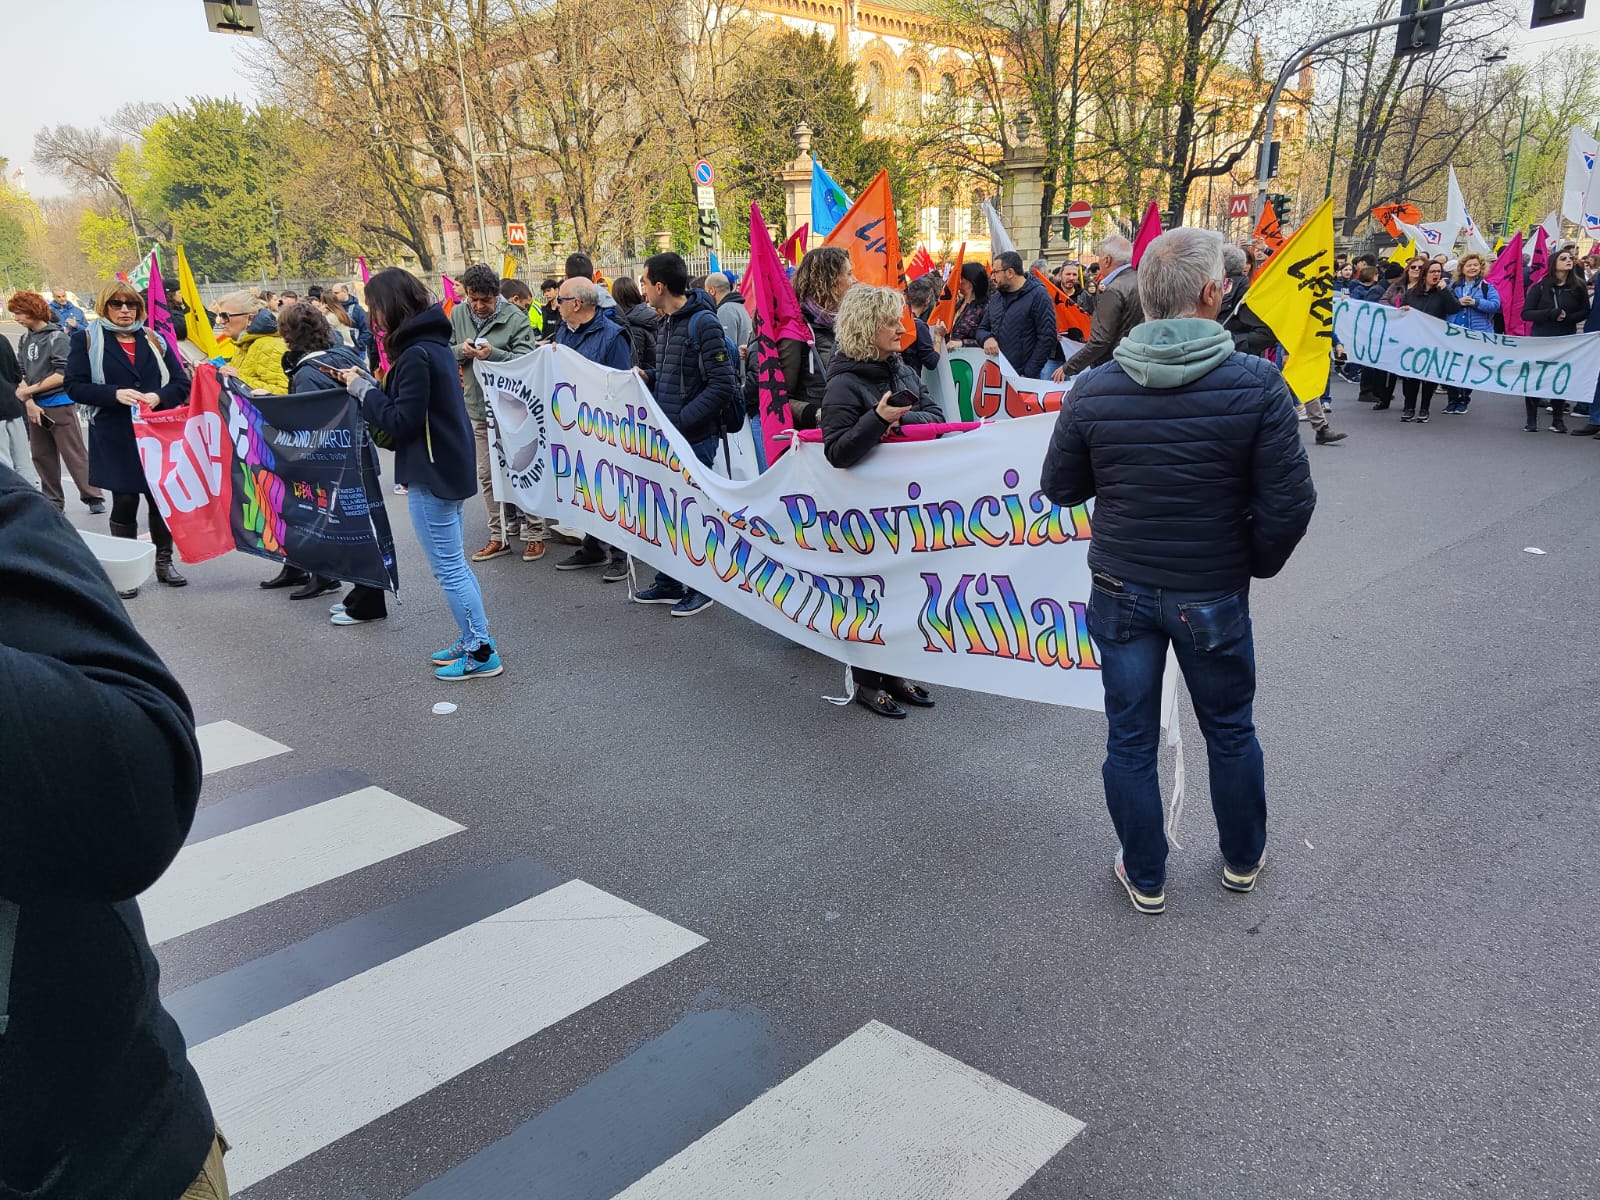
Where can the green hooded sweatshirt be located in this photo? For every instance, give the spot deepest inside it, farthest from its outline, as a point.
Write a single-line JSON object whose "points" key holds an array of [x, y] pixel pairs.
{"points": [[1173, 352]]}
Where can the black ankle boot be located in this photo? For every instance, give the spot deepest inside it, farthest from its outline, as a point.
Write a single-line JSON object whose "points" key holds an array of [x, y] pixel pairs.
{"points": [[288, 577], [166, 570]]}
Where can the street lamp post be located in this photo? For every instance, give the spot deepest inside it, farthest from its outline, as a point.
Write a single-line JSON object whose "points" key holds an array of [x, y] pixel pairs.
{"points": [[1516, 161], [466, 112]]}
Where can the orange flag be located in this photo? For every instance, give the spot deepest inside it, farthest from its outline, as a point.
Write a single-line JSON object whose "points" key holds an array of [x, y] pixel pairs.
{"points": [[1267, 228], [868, 232], [1068, 315], [1390, 215], [945, 309]]}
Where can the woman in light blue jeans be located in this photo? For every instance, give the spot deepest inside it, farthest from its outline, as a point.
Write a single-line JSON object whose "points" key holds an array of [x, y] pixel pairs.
{"points": [[421, 407]]}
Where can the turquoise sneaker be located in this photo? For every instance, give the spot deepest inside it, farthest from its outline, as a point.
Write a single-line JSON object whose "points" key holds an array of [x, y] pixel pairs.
{"points": [[449, 654], [469, 667]]}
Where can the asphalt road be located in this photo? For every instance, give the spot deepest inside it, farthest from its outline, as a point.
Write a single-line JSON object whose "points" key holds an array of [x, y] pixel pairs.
{"points": [[1405, 1007]]}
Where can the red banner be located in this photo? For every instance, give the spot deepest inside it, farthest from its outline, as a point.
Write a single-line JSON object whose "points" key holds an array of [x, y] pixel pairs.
{"points": [[185, 457]]}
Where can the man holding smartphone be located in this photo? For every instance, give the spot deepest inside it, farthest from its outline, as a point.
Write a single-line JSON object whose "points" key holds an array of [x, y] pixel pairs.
{"points": [[1191, 453]]}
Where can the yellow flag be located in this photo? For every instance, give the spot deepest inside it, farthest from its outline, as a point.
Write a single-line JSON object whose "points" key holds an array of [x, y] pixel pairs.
{"points": [[508, 268], [1499, 245], [196, 328], [1294, 296], [1404, 253]]}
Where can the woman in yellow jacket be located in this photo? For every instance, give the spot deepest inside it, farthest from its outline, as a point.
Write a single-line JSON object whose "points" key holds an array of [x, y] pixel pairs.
{"points": [[251, 329]]}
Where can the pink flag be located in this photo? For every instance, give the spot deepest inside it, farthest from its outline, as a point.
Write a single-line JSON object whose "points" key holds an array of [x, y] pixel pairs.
{"points": [[383, 355], [774, 315], [1505, 276], [155, 300], [1149, 231], [451, 296], [794, 248], [1541, 256], [907, 433]]}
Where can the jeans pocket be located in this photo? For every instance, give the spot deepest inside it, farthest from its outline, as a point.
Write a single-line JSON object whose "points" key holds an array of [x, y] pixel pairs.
{"points": [[1216, 624], [1110, 614]]}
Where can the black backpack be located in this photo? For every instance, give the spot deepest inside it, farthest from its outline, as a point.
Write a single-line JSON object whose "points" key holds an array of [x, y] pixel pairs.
{"points": [[731, 419]]}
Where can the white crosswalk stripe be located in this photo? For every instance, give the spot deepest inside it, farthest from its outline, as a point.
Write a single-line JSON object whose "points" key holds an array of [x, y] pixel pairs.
{"points": [[300, 1078], [239, 871], [224, 745], [881, 1116]]}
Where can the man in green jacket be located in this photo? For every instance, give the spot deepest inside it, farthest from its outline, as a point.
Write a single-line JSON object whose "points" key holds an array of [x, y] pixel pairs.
{"points": [[485, 328]]}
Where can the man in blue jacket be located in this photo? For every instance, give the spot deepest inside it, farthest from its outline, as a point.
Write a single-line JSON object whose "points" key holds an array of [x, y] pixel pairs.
{"points": [[585, 329], [1192, 455], [67, 314], [694, 383], [1020, 321], [366, 344]]}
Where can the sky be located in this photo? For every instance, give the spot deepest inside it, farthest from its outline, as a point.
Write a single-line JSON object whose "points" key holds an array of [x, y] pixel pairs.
{"points": [[81, 60]]}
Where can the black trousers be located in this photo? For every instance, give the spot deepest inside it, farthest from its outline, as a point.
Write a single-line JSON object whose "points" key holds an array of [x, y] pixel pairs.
{"points": [[1378, 383], [1558, 410], [125, 511], [1412, 388]]}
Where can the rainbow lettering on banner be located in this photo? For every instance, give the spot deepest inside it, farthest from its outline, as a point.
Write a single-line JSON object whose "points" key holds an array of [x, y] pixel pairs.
{"points": [[261, 506]]}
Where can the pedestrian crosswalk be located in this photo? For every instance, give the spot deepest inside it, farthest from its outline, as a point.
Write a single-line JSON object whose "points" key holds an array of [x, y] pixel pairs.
{"points": [[311, 1044]]}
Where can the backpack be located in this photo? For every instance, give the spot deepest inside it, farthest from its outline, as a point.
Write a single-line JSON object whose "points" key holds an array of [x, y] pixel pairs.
{"points": [[731, 419]]}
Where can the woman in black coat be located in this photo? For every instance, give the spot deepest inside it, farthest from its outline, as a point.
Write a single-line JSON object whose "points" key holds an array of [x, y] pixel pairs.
{"points": [[421, 407], [820, 283], [871, 391], [1431, 295], [116, 366], [1555, 307]]}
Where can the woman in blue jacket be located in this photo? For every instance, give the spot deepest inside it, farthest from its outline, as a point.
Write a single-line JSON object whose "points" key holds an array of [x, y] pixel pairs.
{"points": [[421, 407], [1480, 304]]}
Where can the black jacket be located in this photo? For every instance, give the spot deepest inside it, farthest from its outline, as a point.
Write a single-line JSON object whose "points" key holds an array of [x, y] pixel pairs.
{"points": [[694, 380], [420, 405], [920, 355], [10, 375], [304, 377], [1024, 323], [113, 454], [851, 426], [1441, 302], [805, 367], [97, 1097], [1251, 335], [641, 320], [1196, 488], [1544, 300]]}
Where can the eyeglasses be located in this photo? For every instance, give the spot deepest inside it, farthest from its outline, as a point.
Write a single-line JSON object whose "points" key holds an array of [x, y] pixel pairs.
{"points": [[566, 299], [133, 304], [222, 316]]}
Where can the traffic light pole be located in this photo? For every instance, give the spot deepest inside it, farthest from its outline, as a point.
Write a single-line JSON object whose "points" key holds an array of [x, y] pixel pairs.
{"points": [[1292, 64]]}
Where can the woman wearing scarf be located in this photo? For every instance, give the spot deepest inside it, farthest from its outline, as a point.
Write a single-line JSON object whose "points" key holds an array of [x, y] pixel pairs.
{"points": [[820, 283]]}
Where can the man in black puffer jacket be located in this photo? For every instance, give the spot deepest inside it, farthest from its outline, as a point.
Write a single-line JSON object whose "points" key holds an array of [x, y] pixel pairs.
{"points": [[1192, 454], [1020, 321], [694, 382], [97, 1097]]}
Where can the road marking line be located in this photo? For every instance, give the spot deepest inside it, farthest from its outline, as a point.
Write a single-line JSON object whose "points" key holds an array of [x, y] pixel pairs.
{"points": [[881, 1116], [224, 744], [296, 1080], [233, 873]]}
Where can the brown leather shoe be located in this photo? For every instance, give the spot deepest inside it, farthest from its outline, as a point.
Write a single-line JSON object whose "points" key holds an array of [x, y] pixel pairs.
{"points": [[492, 550], [532, 551]]}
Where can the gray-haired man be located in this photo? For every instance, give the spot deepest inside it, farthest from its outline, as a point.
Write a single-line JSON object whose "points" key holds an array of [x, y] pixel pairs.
{"points": [[1116, 307], [1191, 454]]}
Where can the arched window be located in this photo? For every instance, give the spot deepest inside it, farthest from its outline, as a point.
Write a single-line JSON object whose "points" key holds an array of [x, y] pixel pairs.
{"points": [[947, 89], [947, 213], [913, 93], [877, 89]]}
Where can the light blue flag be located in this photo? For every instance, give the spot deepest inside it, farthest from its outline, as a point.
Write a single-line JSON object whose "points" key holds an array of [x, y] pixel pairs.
{"points": [[716, 267], [828, 201]]}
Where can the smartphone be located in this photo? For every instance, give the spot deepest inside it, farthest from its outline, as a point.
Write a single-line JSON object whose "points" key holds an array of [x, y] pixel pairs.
{"points": [[329, 372], [45, 422], [904, 398]]}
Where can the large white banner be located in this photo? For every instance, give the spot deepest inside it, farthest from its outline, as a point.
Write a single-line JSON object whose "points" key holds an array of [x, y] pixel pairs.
{"points": [[1415, 344], [973, 386], [939, 561]]}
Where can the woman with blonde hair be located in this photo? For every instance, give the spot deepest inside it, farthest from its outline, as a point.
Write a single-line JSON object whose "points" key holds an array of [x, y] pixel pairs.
{"points": [[1480, 304], [116, 366], [252, 330], [344, 329], [871, 391]]}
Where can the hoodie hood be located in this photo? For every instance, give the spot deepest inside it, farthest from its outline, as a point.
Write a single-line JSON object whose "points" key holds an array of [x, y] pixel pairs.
{"points": [[429, 325], [1174, 352], [696, 300], [265, 321]]}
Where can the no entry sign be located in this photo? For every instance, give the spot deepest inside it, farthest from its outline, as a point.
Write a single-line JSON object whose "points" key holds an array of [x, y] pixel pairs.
{"points": [[1079, 213]]}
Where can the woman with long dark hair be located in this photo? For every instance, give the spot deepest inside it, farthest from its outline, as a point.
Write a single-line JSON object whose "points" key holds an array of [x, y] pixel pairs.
{"points": [[1432, 296], [972, 297], [639, 319], [1555, 307], [420, 405], [821, 281], [117, 366]]}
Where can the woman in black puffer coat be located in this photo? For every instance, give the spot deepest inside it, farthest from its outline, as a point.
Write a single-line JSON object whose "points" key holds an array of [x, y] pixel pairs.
{"points": [[867, 380], [1555, 307], [821, 283], [1434, 297]]}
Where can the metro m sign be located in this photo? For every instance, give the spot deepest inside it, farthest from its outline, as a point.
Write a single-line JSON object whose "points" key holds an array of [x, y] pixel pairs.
{"points": [[1239, 206], [517, 235]]}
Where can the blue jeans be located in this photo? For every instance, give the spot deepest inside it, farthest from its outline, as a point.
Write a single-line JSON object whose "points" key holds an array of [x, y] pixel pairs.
{"points": [[761, 442], [706, 452], [1216, 652], [438, 526]]}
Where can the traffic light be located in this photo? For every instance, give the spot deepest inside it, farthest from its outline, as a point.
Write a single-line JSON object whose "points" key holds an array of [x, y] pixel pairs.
{"points": [[1419, 33], [1272, 159], [1283, 205], [1549, 12], [708, 227]]}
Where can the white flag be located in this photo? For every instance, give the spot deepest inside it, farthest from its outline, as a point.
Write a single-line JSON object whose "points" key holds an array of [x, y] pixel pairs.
{"points": [[1552, 235], [1582, 150], [1456, 212], [1432, 237], [999, 240]]}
